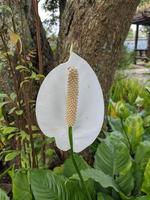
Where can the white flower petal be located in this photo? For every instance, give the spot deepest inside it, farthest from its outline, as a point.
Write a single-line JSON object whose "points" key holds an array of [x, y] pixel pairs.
{"points": [[51, 103]]}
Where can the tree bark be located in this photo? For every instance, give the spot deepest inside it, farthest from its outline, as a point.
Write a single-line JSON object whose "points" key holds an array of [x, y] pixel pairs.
{"points": [[97, 29], [32, 18]]}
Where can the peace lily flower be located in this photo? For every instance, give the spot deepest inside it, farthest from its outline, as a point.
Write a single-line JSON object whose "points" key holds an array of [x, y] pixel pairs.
{"points": [[71, 96]]}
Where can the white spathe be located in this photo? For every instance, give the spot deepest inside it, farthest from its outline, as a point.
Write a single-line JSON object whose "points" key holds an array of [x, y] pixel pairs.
{"points": [[51, 105]]}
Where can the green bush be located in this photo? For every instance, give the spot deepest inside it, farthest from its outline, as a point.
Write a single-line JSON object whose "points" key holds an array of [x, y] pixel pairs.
{"points": [[126, 59], [131, 91]]}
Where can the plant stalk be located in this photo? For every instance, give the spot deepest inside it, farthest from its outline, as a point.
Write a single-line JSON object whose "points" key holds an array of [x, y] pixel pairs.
{"points": [[75, 164]]}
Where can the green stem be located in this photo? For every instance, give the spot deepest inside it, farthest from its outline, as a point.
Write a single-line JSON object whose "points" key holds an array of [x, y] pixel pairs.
{"points": [[75, 164]]}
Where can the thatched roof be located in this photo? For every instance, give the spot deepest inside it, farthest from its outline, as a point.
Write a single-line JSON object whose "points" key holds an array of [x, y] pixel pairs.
{"points": [[142, 16]]}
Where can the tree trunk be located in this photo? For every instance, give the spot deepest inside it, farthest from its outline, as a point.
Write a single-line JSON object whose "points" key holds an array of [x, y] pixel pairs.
{"points": [[32, 18], [97, 30]]}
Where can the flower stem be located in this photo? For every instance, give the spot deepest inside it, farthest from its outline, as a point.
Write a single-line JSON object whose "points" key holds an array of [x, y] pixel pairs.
{"points": [[75, 164]]}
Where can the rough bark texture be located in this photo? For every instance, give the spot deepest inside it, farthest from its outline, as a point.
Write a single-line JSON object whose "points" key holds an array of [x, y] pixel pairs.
{"points": [[97, 30], [46, 51]]}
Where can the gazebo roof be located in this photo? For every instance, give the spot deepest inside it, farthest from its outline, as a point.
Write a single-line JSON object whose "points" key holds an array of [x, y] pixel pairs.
{"points": [[142, 16]]}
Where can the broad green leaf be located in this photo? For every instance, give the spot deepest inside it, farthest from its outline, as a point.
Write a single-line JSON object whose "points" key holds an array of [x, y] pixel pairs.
{"points": [[115, 124], [69, 168], [122, 110], [139, 101], [21, 186], [143, 153], [147, 121], [98, 176], [54, 187], [146, 182], [76, 192], [102, 196], [58, 170], [3, 195], [12, 155], [46, 185], [134, 129], [141, 158], [135, 198], [113, 158], [143, 198], [147, 88]]}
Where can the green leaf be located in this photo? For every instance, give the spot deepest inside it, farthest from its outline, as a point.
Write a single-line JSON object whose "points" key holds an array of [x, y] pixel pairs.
{"points": [[147, 121], [135, 198], [46, 185], [24, 135], [1, 114], [22, 68], [11, 156], [3, 104], [113, 158], [115, 124], [141, 159], [2, 95], [39, 76], [12, 110], [98, 176], [143, 198], [69, 168], [102, 196], [9, 129], [147, 88], [122, 110], [35, 76], [54, 187], [23, 82], [21, 186], [143, 154], [19, 112], [134, 129], [139, 101], [75, 190], [58, 170], [3, 195], [146, 182], [13, 96]]}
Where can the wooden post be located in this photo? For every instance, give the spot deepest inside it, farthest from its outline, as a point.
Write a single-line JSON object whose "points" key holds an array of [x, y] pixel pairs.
{"points": [[136, 41], [148, 43]]}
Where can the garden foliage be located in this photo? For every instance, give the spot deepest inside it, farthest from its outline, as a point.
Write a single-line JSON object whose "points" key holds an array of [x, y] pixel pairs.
{"points": [[121, 166]]}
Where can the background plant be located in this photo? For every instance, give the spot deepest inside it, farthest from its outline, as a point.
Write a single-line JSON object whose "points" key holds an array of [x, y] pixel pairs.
{"points": [[21, 68]]}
